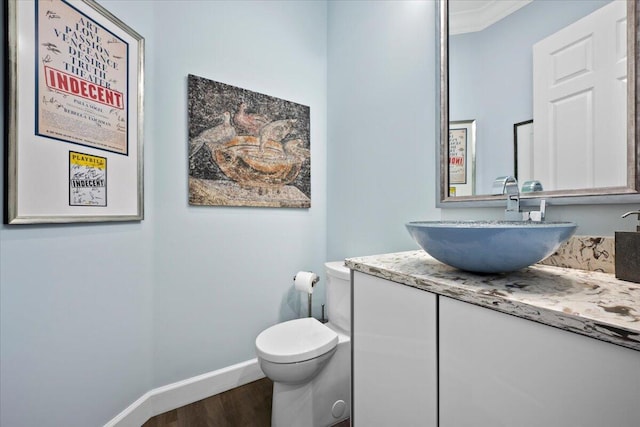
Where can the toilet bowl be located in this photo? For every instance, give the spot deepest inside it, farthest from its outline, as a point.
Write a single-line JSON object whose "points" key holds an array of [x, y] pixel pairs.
{"points": [[295, 351], [309, 362]]}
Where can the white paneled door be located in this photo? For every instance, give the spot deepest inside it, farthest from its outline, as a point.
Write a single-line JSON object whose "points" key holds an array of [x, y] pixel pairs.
{"points": [[580, 86]]}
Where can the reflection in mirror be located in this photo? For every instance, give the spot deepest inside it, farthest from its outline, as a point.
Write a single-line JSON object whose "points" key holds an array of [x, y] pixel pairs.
{"points": [[545, 84], [523, 151], [462, 158]]}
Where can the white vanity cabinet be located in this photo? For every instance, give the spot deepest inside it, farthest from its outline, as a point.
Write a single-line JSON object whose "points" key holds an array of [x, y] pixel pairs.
{"points": [[500, 370], [394, 344]]}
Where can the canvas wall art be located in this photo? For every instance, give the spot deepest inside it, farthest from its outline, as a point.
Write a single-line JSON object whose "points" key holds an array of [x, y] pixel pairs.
{"points": [[246, 148]]}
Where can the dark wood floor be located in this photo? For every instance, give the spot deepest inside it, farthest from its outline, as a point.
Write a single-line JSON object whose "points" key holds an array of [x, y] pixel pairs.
{"points": [[248, 405], [245, 406]]}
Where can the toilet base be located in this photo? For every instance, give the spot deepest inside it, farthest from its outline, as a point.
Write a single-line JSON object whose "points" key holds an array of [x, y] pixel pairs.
{"points": [[322, 402]]}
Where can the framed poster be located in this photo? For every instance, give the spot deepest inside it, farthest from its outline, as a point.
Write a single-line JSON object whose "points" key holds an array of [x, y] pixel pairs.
{"points": [[462, 143], [74, 116]]}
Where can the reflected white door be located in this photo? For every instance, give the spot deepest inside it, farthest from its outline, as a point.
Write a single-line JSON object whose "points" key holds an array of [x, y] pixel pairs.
{"points": [[579, 111]]}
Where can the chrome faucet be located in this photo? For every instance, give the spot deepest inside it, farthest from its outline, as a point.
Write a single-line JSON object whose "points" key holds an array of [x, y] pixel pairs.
{"points": [[512, 213]]}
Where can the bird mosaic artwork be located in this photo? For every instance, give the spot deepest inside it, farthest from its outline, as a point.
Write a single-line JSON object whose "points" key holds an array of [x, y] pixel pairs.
{"points": [[246, 148], [266, 161], [250, 123], [215, 135], [294, 148], [275, 131], [263, 158]]}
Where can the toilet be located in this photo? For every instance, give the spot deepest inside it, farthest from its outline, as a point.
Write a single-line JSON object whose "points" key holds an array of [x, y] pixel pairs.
{"points": [[309, 362]]}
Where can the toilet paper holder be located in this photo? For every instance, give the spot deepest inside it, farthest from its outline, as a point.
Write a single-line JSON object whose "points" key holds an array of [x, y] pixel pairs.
{"points": [[313, 283]]}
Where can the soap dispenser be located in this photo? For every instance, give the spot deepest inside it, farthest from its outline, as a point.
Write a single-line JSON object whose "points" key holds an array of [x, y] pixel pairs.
{"points": [[627, 256]]}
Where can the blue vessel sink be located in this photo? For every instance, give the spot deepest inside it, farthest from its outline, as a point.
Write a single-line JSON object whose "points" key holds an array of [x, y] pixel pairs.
{"points": [[490, 246]]}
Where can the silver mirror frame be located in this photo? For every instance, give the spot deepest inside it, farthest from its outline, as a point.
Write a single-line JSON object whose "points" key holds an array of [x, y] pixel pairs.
{"points": [[613, 195]]}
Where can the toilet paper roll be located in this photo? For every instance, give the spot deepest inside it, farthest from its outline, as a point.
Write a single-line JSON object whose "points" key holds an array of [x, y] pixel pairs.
{"points": [[304, 281]]}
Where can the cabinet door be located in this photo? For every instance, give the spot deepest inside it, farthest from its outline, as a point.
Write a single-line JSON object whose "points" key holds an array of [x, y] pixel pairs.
{"points": [[501, 370], [394, 354]]}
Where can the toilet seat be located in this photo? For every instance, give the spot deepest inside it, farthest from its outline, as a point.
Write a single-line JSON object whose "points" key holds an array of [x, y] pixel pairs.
{"points": [[295, 341]]}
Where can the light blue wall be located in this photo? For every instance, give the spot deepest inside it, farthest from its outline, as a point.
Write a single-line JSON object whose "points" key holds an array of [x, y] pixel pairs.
{"points": [[76, 312], [381, 135], [222, 275], [491, 78]]}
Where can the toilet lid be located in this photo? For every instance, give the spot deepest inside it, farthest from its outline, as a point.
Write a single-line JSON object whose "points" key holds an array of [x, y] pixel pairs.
{"points": [[295, 341]]}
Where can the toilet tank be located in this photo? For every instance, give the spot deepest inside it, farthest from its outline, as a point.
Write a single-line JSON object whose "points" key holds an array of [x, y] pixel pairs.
{"points": [[338, 294]]}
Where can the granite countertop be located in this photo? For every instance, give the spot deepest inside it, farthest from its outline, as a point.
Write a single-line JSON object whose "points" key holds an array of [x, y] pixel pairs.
{"points": [[585, 302]]}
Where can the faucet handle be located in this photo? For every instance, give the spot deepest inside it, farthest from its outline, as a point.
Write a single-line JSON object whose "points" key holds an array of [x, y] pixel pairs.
{"points": [[537, 216], [633, 213]]}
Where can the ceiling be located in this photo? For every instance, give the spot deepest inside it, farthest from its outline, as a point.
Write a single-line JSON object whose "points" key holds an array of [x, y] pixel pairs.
{"points": [[468, 16]]}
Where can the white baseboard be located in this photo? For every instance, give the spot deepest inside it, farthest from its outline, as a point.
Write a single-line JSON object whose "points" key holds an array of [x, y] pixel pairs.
{"points": [[172, 396]]}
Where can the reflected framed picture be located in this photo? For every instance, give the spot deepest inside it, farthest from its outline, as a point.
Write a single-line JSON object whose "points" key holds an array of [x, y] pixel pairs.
{"points": [[523, 150], [74, 114], [462, 148]]}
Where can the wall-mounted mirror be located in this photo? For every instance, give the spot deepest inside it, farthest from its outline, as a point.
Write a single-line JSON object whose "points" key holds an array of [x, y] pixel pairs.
{"points": [[550, 87]]}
